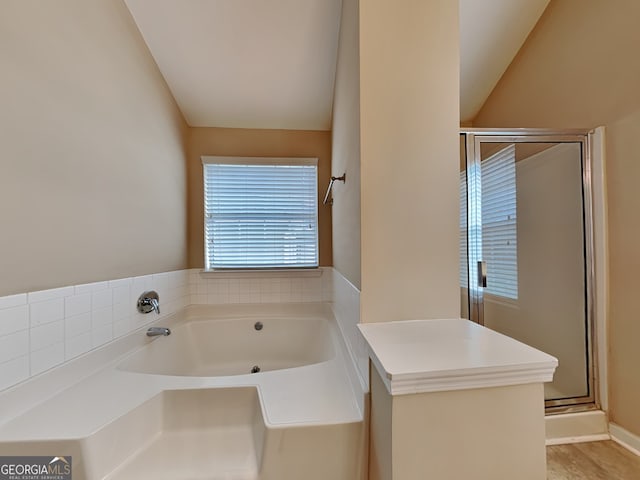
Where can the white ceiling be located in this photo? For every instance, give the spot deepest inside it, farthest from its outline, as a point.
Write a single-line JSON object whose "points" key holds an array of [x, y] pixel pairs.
{"points": [[245, 63], [271, 63], [491, 33]]}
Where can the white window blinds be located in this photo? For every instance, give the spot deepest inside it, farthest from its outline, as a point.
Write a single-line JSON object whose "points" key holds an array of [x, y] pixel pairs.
{"points": [[499, 239], [260, 212], [464, 274]]}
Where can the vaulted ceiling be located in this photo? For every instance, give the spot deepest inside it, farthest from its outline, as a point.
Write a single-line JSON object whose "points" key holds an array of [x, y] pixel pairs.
{"points": [[491, 33], [271, 63]]}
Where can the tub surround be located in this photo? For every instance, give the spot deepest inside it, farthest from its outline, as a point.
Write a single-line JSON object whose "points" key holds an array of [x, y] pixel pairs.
{"points": [[109, 403], [448, 384], [45, 329], [346, 308], [48, 328]]}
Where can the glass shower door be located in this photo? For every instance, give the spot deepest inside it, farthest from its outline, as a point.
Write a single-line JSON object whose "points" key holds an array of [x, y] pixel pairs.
{"points": [[528, 249]]}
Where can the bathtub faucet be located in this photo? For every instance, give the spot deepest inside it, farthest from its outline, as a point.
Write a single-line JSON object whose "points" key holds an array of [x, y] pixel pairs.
{"points": [[149, 302], [158, 331]]}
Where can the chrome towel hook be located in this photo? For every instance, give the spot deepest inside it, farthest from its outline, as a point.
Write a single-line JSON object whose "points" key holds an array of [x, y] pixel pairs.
{"points": [[341, 178]]}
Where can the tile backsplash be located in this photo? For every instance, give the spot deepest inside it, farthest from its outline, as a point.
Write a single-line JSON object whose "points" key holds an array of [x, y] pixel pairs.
{"points": [[257, 287], [41, 330], [345, 298]]}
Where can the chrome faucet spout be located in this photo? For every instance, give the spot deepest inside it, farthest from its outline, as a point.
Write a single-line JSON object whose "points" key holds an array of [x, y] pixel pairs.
{"points": [[158, 331]]}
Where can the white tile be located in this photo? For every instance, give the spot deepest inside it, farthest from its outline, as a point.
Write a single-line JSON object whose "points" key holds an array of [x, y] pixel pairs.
{"points": [[91, 287], [217, 285], [296, 287], [244, 297], [295, 296], [101, 334], [14, 319], [77, 304], [101, 299], [217, 298], [198, 299], [234, 286], [121, 295], [14, 371], [140, 285], [77, 346], [175, 278], [14, 345], [138, 319], [285, 287], [264, 284], [11, 301], [47, 358], [121, 282], [121, 327], [78, 325], [44, 295], [170, 307], [122, 311], [46, 335], [160, 282], [254, 297], [102, 316], [45, 312]]}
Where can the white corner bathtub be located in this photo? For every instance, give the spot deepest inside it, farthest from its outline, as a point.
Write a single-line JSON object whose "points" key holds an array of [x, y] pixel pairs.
{"points": [[187, 406], [212, 346]]}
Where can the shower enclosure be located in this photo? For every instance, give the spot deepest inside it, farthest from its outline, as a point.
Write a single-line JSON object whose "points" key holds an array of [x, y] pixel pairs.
{"points": [[526, 266]]}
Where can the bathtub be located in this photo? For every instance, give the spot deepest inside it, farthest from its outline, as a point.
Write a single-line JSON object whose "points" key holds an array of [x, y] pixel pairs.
{"points": [[208, 346], [187, 406]]}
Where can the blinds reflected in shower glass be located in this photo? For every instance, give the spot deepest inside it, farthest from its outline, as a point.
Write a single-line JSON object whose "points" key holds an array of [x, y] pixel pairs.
{"points": [[499, 235], [495, 226]]}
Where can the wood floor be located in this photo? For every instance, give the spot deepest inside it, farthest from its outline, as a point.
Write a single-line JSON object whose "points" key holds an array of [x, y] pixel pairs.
{"points": [[592, 461]]}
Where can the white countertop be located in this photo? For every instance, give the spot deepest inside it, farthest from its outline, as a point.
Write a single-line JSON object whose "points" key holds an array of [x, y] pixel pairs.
{"points": [[417, 356]]}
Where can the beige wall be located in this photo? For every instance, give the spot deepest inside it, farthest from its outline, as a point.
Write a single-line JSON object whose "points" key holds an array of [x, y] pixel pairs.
{"points": [[92, 182], [580, 68], [409, 117], [345, 155], [254, 143]]}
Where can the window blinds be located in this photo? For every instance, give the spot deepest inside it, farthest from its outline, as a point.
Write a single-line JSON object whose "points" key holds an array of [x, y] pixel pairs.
{"points": [[260, 212], [464, 261], [499, 229], [496, 214]]}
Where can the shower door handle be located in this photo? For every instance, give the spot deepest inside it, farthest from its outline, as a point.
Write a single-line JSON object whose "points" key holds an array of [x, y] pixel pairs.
{"points": [[482, 274]]}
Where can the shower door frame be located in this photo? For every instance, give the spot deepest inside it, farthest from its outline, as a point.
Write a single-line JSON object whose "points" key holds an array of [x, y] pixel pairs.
{"points": [[473, 138]]}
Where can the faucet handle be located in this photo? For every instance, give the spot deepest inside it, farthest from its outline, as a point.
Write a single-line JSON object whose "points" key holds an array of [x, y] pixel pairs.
{"points": [[149, 302], [155, 305]]}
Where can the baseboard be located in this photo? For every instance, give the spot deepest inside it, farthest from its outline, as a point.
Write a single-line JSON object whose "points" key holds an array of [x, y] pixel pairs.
{"points": [[628, 440], [579, 439], [576, 427]]}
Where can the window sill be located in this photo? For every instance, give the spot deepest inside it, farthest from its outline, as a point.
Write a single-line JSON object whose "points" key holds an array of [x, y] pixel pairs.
{"points": [[267, 273]]}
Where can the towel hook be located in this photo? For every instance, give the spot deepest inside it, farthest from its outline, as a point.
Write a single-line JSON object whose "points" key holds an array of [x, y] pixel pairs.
{"points": [[341, 178]]}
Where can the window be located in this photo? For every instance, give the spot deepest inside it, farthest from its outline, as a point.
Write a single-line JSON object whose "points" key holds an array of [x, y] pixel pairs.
{"points": [[260, 212]]}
